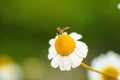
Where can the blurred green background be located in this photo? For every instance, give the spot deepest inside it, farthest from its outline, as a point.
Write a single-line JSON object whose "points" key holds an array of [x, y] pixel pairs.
{"points": [[27, 25]]}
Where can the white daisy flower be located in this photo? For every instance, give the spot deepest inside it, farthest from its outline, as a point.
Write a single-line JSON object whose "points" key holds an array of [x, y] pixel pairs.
{"points": [[118, 77], [66, 51], [118, 6], [9, 70], [107, 63]]}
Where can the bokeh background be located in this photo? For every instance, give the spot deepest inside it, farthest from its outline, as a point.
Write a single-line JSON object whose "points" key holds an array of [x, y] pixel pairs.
{"points": [[27, 25]]}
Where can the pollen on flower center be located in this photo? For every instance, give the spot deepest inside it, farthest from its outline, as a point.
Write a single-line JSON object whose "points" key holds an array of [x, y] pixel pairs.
{"points": [[112, 71], [64, 45]]}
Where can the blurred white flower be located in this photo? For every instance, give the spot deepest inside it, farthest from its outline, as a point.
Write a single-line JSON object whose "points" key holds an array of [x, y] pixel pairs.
{"points": [[108, 63], [118, 6], [9, 70], [66, 51], [118, 77]]}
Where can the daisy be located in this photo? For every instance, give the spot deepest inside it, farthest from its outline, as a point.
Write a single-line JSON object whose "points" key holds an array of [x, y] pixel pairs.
{"points": [[9, 70], [66, 51], [118, 6], [108, 63]]}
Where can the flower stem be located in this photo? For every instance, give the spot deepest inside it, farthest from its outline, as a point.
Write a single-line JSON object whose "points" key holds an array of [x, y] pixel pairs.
{"points": [[94, 70]]}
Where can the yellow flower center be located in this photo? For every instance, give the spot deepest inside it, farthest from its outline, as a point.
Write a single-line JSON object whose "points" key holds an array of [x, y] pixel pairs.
{"points": [[5, 61], [64, 45], [112, 71]]}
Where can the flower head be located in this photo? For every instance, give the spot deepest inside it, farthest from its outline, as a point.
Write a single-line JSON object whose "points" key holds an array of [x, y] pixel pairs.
{"points": [[9, 70], [118, 77], [66, 51], [118, 6], [108, 63]]}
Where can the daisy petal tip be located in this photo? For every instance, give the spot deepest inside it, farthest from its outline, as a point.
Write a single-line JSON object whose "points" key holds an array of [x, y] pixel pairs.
{"points": [[54, 63], [76, 36], [65, 69], [49, 57], [68, 69], [54, 66], [51, 41], [73, 67], [79, 35]]}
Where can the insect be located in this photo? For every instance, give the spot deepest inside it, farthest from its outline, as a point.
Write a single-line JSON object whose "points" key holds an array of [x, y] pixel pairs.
{"points": [[60, 31]]}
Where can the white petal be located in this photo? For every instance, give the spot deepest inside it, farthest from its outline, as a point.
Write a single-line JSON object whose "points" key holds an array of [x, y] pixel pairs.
{"points": [[66, 63], [52, 41], [55, 61], [52, 52], [81, 49], [61, 64], [118, 77], [118, 6], [75, 36], [75, 60]]}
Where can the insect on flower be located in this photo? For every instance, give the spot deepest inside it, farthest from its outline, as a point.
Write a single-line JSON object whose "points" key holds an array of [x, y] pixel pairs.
{"points": [[66, 50]]}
